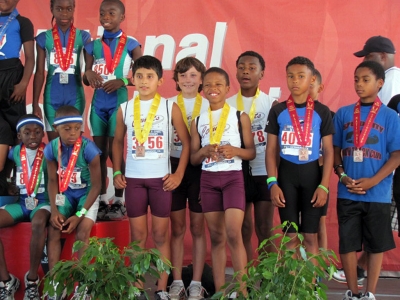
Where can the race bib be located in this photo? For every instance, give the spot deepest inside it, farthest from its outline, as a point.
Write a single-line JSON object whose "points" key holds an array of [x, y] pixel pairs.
{"points": [[55, 62], [176, 143], [19, 180], [289, 143], [154, 146], [259, 137], [100, 68], [76, 181]]}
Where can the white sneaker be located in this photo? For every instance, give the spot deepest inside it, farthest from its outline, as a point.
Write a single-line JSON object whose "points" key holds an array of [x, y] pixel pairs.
{"points": [[340, 277], [116, 211], [196, 292], [349, 296], [177, 291], [161, 295], [368, 296], [233, 295], [31, 288], [8, 289]]}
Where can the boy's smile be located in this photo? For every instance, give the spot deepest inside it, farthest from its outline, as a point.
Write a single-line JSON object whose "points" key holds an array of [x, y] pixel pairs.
{"points": [[111, 16], [215, 88], [189, 82]]}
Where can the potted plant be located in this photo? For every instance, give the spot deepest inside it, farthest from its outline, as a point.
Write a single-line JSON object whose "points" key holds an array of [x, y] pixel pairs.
{"points": [[105, 271], [287, 274]]}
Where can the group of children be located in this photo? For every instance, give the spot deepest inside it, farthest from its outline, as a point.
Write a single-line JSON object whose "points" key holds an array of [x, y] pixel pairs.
{"points": [[189, 149]]}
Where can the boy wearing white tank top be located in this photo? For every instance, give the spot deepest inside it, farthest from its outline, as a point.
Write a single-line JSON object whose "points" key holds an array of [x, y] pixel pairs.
{"points": [[147, 122], [250, 68]]}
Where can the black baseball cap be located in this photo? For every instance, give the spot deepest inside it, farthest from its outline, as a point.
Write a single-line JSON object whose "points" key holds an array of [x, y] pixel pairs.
{"points": [[376, 44]]}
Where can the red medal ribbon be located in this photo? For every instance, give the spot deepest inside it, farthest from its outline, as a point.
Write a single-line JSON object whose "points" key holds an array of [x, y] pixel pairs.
{"points": [[302, 136], [30, 183], [361, 137], [112, 63], [63, 180], [64, 60]]}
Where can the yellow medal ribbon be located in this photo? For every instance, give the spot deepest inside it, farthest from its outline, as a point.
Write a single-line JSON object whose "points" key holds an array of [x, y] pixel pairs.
{"points": [[196, 109], [143, 134], [216, 138], [240, 104]]}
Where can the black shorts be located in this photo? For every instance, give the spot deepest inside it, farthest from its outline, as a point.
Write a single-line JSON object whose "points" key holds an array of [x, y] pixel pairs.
{"points": [[396, 194], [188, 190], [11, 73], [298, 184], [364, 223], [262, 188]]}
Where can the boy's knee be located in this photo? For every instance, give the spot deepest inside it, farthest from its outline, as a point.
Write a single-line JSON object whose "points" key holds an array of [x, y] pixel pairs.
{"points": [[160, 237], [217, 237], [82, 235], [178, 230], [197, 230]]}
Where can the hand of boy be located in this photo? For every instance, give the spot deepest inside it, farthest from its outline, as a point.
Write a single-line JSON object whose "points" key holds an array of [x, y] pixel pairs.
{"points": [[319, 198], [119, 181], [227, 151], [113, 85], [19, 92], [360, 186], [171, 182], [210, 151], [70, 224], [277, 197], [57, 220], [94, 79]]}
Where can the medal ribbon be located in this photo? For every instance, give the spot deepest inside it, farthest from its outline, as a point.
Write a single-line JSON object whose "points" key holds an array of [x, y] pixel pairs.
{"points": [[216, 138], [143, 134], [112, 63], [33, 182], [361, 138], [63, 182], [240, 104], [11, 17], [303, 136], [196, 109], [64, 60]]}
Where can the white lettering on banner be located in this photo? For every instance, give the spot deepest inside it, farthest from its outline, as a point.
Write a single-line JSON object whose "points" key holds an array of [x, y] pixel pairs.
{"points": [[194, 44]]}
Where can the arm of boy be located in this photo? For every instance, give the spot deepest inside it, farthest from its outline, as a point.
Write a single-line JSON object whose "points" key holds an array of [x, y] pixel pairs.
{"points": [[363, 184], [56, 219], [38, 80], [249, 152], [271, 165], [117, 150], [172, 181], [95, 179], [91, 77], [320, 195], [198, 153], [346, 180], [19, 92]]}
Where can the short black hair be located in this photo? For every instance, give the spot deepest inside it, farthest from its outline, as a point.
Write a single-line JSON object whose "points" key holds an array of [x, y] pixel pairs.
{"points": [[67, 110], [119, 3], [29, 116], [254, 54], [301, 60], [375, 67], [184, 65], [318, 76], [219, 71], [148, 62]]}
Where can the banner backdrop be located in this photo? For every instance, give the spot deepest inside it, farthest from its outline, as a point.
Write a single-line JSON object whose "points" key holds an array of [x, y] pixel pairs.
{"points": [[216, 32]]}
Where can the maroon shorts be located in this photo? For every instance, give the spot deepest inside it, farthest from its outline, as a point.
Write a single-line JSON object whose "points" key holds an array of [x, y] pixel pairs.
{"points": [[222, 190], [140, 193], [189, 189]]}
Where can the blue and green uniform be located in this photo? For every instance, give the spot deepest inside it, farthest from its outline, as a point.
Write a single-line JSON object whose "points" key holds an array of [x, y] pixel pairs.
{"points": [[80, 183], [18, 210], [57, 94], [103, 114]]}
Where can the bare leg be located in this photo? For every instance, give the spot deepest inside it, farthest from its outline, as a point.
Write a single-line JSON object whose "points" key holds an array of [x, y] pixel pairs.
{"points": [[160, 233], [53, 245], [374, 269], [118, 192], [247, 231], [264, 219], [83, 233], [349, 262], [178, 229], [363, 260], [199, 249], [322, 236], [5, 221], [139, 233]]}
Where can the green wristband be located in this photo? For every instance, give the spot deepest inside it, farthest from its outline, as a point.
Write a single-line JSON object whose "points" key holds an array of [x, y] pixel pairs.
{"points": [[117, 173], [341, 176], [323, 188], [81, 212], [270, 179], [125, 80]]}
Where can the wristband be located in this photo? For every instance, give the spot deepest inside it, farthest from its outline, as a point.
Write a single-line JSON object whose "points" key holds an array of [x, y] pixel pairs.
{"points": [[342, 175], [271, 184], [323, 188], [125, 80], [81, 212], [336, 167], [117, 173], [270, 179]]}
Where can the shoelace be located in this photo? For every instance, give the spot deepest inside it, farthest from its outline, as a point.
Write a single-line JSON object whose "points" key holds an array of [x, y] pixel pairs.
{"points": [[32, 291], [195, 290], [175, 289], [163, 295], [3, 293]]}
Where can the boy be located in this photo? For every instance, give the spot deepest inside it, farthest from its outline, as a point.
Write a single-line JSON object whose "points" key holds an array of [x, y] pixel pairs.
{"points": [[73, 164], [250, 68], [15, 31], [33, 205], [108, 60], [299, 149], [366, 153], [148, 181]]}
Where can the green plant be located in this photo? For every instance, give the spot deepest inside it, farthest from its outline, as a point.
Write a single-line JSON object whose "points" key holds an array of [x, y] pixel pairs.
{"points": [[287, 274], [105, 271]]}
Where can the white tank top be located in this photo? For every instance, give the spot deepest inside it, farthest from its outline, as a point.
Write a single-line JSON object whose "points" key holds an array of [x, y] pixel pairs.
{"points": [[176, 144], [230, 136], [155, 163], [263, 105]]}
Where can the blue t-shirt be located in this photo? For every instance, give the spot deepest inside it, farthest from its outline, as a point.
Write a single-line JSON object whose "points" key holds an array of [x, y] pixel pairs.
{"points": [[280, 124], [382, 140]]}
